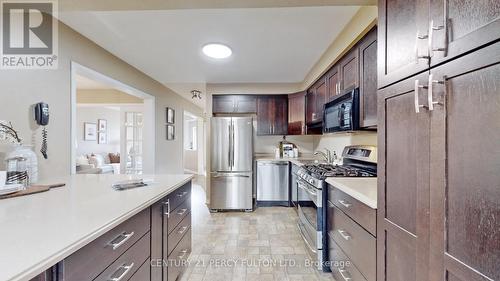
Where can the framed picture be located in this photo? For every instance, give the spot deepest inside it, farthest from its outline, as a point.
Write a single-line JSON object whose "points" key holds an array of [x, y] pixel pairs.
{"points": [[103, 138], [170, 115], [170, 132], [89, 131], [102, 125]]}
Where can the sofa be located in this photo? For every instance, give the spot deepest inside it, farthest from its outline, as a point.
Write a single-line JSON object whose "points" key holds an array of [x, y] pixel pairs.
{"points": [[97, 163]]}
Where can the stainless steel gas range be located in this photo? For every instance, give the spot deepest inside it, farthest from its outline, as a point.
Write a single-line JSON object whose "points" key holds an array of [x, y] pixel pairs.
{"points": [[358, 161]]}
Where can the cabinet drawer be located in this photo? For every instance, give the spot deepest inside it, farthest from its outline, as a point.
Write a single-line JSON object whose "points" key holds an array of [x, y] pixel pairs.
{"points": [[178, 196], [177, 215], [361, 213], [349, 272], [175, 236], [357, 243], [128, 263], [143, 273], [89, 261], [177, 259]]}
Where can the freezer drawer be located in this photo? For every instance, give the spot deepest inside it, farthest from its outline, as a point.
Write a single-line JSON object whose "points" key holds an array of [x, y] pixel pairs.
{"points": [[273, 181], [231, 191]]}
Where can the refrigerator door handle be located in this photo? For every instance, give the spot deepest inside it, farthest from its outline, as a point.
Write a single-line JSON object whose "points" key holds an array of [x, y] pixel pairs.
{"points": [[230, 145]]}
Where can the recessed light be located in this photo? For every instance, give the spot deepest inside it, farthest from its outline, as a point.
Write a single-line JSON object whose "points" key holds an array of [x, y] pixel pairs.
{"points": [[217, 51]]}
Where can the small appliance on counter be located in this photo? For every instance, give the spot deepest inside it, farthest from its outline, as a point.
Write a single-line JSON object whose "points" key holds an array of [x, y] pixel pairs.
{"points": [[286, 149]]}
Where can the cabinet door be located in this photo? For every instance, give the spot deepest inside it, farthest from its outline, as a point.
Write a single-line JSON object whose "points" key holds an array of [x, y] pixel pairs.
{"points": [[264, 116], [223, 104], [320, 91], [349, 70], [310, 106], [157, 213], [333, 82], [280, 124], [465, 165], [296, 113], [461, 26], [401, 24], [403, 183], [245, 104], [368, 80]]}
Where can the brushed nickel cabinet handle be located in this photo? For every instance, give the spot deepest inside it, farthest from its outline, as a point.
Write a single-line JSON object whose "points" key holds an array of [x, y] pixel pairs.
{"points": [[417, 102], [432, 27], [182, 212], [126, 268], [345, 203], [344, 234], [345, 274], [167, 205], [430, 92], [124, 238], [417, 55], [180, 195]]}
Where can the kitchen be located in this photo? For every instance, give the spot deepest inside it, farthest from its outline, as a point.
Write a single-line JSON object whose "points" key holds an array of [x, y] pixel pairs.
{"points": [[380, 162]]}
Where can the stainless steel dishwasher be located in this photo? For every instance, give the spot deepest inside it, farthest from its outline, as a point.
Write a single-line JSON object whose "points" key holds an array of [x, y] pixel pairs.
{"points": [[273, 183]]}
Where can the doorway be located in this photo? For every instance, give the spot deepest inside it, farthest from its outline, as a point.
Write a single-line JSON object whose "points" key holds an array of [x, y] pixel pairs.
{"points": [[194, 144], [112, 125]]}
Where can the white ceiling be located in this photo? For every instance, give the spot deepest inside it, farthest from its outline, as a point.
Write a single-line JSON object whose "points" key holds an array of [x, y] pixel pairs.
{"points": [[84, 83], [270, 45]]}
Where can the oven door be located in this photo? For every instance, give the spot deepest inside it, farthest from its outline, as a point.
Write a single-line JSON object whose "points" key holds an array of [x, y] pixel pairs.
{"points": [[309, 193]]}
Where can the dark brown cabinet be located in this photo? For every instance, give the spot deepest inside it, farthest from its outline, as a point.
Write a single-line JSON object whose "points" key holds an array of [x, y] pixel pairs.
{"points": [[368, 80], [234, 104], [333, 82], [349, 70], [297, 114], [424, 33], [272, 115], [402, 39], [315, 101], [438, 196]]}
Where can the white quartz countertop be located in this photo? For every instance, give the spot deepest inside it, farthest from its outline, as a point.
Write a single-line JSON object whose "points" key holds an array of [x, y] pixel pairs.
{"points": [[39, 230], [300, 161], [362, 189]]}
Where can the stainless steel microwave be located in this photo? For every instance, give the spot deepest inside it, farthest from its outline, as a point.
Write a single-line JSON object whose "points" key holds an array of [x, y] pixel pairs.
{"points": [[342, 113]]}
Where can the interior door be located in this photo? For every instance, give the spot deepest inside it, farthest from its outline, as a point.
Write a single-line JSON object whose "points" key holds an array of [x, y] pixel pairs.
{"points": [[461, 26], [465, 165], [221, 143], [402, 39], [403, 182], [242, 148]]}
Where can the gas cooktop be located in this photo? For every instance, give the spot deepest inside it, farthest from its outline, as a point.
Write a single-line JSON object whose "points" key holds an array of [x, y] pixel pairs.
{"points": [[322, 171]]}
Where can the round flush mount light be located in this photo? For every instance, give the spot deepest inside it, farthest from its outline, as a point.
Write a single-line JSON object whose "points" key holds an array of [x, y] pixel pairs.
{"points": [[217, 51]]}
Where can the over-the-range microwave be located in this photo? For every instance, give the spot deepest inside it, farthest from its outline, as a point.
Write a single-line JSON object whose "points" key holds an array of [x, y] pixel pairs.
{"points": [[342, 113]]}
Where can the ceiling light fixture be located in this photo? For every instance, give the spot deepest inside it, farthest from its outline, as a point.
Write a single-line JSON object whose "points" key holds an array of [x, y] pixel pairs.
{"points": [[196, 94], [217, 51]]}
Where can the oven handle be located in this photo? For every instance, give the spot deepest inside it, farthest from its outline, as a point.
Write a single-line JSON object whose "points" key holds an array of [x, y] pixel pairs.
{"points": [[305, 186], [305, 239]]}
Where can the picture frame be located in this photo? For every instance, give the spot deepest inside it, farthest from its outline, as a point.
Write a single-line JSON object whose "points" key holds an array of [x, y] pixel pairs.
{"points": [[170, 115], [102, 138], [170, 132], [89, 131], [102, 125]]}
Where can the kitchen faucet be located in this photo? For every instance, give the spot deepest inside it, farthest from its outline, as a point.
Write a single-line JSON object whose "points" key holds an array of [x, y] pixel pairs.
{"points": [[328, 156]]}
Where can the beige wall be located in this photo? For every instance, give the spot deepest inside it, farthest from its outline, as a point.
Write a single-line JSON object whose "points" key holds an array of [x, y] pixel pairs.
{"points": [[108, 96], [22, 88], [338, 141]]}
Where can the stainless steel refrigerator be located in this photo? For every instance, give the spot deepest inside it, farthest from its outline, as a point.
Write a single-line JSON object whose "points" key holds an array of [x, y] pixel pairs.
{"points": [[231, 176]]}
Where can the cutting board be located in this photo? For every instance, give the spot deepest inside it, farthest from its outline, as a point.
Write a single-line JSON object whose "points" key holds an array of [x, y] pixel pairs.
{"points": [[32, 189]]}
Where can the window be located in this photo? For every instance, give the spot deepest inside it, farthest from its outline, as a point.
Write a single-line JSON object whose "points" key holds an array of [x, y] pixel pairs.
{"points": [[133, 139]]}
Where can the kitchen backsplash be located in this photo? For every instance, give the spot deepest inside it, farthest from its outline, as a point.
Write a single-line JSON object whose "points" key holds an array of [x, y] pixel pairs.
{"points": [[266, 144], [337, 142]]}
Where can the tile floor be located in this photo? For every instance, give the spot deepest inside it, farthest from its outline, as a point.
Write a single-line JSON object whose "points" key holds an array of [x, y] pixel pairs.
{"points": [[262, 245]]}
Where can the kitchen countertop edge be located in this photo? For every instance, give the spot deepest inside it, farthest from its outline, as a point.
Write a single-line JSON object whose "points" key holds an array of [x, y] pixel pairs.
{"points": [[370, 201]]}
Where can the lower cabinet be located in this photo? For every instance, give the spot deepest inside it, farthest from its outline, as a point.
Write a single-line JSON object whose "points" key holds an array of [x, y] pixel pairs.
{"points": [[351, 245]]}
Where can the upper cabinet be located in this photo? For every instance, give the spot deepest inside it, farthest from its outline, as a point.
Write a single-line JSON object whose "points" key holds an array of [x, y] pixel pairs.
{"points": [[333, 81], [297, 113], [234, 104], [272, 115], [368, 80], [315, 101], [420, 34], [349, 70]]}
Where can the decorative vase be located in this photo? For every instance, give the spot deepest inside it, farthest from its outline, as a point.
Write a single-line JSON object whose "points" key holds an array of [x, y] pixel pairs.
{"points": [[26, 153]]}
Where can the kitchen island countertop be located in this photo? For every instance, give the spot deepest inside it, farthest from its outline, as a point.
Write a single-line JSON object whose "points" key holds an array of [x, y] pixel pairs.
{"points": [[38, 231]]}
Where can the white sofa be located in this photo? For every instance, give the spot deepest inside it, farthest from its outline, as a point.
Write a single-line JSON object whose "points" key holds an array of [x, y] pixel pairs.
{"points": [[96, 163]]}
